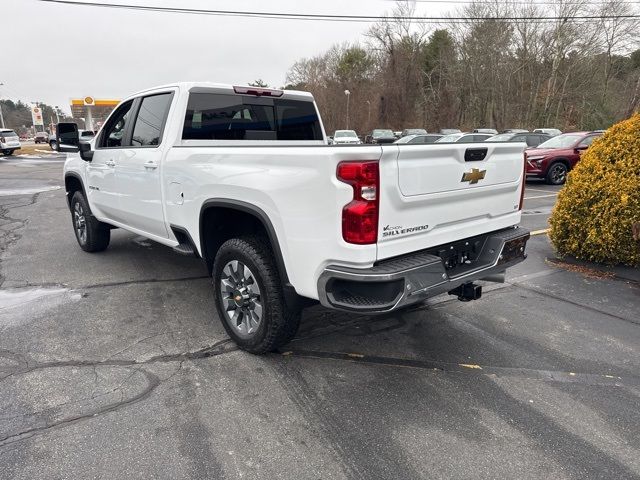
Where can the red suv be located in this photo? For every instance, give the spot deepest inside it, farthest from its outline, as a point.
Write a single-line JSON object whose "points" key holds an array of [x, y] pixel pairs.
{"points": [[553, 159]]}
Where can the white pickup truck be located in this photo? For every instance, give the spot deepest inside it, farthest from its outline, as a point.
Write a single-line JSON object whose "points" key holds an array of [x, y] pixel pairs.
{"points": [[243, 178]]}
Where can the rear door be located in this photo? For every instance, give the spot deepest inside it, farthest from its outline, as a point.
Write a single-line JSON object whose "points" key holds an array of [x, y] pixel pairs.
{"points": [[438, 193], [138, 171]]}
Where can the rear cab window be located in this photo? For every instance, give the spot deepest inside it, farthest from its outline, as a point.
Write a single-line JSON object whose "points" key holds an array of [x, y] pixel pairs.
{"points": [[221, 116]]}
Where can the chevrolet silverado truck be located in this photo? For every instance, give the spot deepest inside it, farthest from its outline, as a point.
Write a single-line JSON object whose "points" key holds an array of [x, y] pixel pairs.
{"points": [[243, 178]]}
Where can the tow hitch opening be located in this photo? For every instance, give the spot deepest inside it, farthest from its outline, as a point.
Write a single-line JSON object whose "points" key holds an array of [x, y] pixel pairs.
{"points": [[467, 292]]}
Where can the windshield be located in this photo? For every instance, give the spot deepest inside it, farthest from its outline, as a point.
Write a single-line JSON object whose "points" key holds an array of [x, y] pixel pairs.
{"points": [[449, 138], [503, 137], [8, 133], [561, 141], [382, 133], [345, 134]]}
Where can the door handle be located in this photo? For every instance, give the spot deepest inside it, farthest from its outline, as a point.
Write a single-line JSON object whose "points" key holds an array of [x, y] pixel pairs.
{"points": [[150, 164], [110, 163]]}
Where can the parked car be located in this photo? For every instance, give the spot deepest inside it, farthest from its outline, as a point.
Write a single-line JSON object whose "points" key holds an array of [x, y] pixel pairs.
{"points": [[41, 137], [515, 130], [419, 139], [492, 131], [413, 131], [85, 136], [531, 139], [287, 222], [552, 132], [9, 141], [449, 131], [381, 135], [464, 138], [397, 133], [346, 137], [553, 159]]}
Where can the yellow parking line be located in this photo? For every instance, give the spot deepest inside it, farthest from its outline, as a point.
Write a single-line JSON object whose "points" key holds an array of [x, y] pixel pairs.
{"points": [[539, 232], [541, 196]]}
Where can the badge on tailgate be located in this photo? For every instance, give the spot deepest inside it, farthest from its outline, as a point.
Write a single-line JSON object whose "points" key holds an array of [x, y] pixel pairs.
{"points": [[473, 176]]}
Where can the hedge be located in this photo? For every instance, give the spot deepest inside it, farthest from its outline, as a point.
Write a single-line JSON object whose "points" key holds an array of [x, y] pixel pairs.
{"points": [[598, 210]]}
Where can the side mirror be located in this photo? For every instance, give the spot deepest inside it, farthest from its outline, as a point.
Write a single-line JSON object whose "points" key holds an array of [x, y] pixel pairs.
{"points": [[67, 137], [581, 148], [85, 151]]}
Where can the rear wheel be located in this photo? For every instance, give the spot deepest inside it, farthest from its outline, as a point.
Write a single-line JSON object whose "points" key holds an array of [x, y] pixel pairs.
{"points": [[7, 152], [557, 174], [91, 234], [53, 144], [249, 296]]}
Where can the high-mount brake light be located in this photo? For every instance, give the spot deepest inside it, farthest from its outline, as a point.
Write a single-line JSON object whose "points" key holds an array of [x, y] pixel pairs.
{"points": [[258, 92], [360, 215]]}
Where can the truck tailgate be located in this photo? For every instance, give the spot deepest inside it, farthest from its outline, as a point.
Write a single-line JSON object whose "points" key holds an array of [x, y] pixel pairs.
{"points": [[435, 194]]}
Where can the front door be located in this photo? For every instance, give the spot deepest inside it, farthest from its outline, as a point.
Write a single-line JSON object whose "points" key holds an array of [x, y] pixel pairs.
{"points": [[101, 171], [138, 171]]}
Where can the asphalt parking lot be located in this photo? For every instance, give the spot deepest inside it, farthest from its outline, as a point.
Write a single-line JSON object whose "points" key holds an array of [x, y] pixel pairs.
{"points": [[113, 365]]}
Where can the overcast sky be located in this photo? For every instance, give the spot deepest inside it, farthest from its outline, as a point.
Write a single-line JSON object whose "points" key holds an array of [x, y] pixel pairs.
{"points": [[53, 52]]}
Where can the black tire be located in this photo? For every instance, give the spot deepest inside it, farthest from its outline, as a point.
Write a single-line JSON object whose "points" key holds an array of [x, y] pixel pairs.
{"points": [[278, 323], [96, 234], [54, 145], [557, 173], [7, 152]]}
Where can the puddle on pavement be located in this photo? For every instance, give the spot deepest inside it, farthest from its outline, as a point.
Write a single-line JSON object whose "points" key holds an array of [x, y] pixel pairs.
{"points": [[7, 192], [20, 304]]}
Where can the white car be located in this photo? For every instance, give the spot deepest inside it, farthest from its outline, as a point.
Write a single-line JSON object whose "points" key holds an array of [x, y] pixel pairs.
{"points": [[9, 141], [552, 132], [346, 137], [242, 177], [464, 138]]}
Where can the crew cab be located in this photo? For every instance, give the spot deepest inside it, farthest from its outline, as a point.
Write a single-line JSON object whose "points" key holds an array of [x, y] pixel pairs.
{"points": [[552, 160], [243, 178]]}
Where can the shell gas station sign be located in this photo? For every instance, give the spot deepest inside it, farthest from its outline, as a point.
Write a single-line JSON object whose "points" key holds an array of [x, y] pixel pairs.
{"points": [[36, 116]]}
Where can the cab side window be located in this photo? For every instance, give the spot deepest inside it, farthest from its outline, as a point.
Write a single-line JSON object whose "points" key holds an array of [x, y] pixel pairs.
{"points": [[114, 131], [150, 120]]}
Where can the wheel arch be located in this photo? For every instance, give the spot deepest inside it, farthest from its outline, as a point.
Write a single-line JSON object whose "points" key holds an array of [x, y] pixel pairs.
{"points": [[72, 184], [222, 207]]}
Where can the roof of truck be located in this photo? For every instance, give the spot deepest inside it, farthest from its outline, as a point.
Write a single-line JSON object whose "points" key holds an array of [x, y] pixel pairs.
{"points": [[221, 86]]}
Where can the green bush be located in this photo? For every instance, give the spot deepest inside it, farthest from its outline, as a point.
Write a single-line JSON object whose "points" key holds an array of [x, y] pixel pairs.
{"points": [[597, 209]]}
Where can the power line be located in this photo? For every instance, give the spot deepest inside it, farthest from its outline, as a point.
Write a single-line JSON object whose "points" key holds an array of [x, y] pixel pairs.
{"points": [[338, 18]]}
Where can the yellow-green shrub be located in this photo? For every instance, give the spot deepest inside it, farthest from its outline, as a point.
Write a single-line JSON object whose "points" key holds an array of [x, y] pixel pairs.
{"points": [[596, 210]]}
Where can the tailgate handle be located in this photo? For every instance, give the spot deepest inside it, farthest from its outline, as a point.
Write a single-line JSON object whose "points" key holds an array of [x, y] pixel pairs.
{"points": [[475, 154]]}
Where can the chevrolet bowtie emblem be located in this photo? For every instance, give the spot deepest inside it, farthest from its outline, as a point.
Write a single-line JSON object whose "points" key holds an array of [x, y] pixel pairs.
{"points": [[473, 176]]}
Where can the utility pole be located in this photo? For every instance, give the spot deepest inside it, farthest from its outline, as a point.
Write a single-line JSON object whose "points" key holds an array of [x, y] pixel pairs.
{"points": [[1, 117], [348, 94]]}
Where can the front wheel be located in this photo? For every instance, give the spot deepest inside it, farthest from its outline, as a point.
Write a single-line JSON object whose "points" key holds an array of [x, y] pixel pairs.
{"points": [[557, 174], [91, 234], [249, 297], [7, 152]]}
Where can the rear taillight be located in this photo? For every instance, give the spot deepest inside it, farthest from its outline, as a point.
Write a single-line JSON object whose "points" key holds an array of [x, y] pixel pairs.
{"points": [[524, 180], [360, 215]]}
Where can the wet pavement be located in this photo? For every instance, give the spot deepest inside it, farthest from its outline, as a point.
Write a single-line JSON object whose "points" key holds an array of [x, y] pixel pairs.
{"points": [[114, 365]]}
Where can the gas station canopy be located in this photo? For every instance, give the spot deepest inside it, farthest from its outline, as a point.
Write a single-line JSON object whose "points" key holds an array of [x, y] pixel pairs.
{"points": [[94, 110]]}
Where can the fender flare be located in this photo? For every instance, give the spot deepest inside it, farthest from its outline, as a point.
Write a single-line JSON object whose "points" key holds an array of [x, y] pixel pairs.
{"points": [[77, 177], [260, 215]]}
